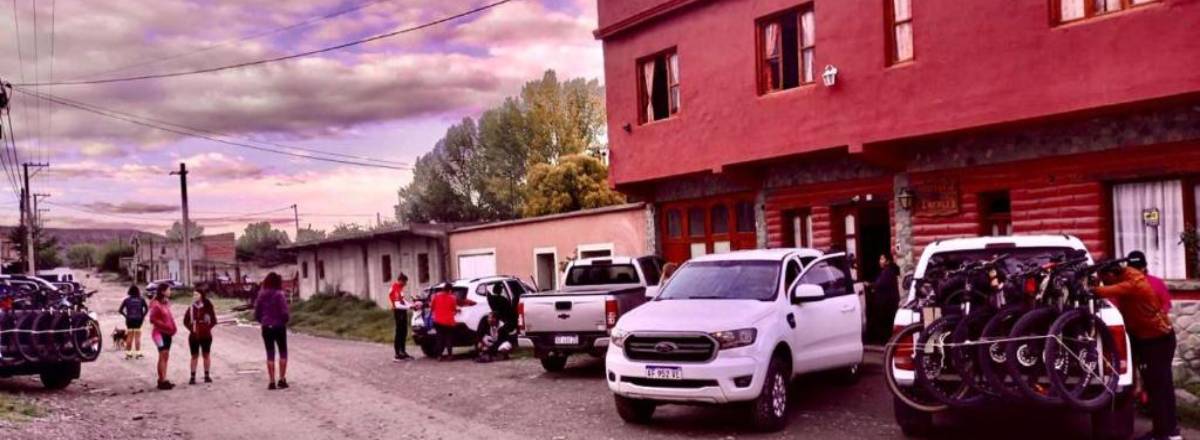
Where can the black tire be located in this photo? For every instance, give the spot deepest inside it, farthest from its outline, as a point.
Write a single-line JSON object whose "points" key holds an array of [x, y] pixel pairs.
{"points": [[993, 358], [1114, 422], [935, 369], [27, 342], [899, 350], [430, 349], [1025, 358], [59, 376], [61, 346], [10, 354], [634, 411], [554, 363], [1082, 349], [87, 337], [912, 422], [965, 358], [768, 411]]}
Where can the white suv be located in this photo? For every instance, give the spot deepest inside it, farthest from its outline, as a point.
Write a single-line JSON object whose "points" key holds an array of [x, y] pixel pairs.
{"points": [[470, 318], [737, 327]]}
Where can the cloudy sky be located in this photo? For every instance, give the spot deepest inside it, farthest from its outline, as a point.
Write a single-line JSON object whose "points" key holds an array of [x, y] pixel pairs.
{"points": [[389, 100]]}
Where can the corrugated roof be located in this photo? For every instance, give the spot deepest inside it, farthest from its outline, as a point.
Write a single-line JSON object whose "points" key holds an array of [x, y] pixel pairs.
{"points": [[544, 218], [416, 229]]}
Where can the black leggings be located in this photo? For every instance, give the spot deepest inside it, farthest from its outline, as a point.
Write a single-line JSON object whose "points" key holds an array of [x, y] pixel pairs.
{"points": [[275, 337], [445, 339], [1155, 357], [401, 336]]}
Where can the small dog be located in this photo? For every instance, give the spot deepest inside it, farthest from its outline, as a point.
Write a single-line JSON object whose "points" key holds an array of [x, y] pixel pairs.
{"points": [[118, 337]]}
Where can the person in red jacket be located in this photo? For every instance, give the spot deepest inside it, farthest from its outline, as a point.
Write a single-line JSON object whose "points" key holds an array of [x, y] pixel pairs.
{"points": [[444, 306], [400, 313], [164, 328], [200, 319], [1153, 340]]}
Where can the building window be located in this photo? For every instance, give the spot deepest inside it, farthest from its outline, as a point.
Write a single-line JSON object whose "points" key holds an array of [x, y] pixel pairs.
{"points": [[1152, 217], [995, 213], [304, 269], [720, 219], [1072, 10], [674, 224], [786, 49], [899, 30], [798, 229], [696, 222], [386, 263], [658, 86], [320, 269], [422, 268], [745, 217]]}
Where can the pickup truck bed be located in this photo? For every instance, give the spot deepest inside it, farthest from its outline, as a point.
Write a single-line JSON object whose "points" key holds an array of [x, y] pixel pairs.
{"points": [[576, 320]]}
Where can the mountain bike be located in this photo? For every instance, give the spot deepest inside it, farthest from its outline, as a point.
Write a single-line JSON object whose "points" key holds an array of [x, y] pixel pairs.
{"points": [[1081, 358]]}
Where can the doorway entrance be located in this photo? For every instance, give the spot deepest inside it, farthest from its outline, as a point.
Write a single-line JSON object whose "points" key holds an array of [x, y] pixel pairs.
{"points": [[546, 270], [865, 230]]}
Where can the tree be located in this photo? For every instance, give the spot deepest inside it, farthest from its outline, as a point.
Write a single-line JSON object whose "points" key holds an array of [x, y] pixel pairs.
{"points": [[111, 254], [260, 242], [83, 256], [176, 231], [575, 182], [345, 229], [45, 249], [309, 234]]}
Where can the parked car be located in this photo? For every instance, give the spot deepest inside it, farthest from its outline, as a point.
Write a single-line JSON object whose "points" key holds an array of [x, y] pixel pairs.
{"points": [[152, 286], [737, 327], [576, 318], [1114, 421], [470, 318]]}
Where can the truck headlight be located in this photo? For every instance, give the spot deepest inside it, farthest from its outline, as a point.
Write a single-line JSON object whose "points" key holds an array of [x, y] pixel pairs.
{"points": [[617, 337], [735, 338]]}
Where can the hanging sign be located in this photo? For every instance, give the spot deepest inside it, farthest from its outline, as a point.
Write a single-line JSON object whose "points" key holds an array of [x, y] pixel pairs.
{"points": [[937, 198], [1151, 217]]}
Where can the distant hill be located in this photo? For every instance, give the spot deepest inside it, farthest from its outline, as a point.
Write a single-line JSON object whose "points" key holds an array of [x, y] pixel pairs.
{"points": [[68, 237]]}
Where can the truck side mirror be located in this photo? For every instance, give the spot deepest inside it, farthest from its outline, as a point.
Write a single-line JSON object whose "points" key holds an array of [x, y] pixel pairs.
{"points": [[908, 281], [808, 293]]}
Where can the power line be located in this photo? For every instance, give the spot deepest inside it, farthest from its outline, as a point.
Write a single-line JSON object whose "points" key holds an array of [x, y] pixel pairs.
{"points": [[252, 36], [279, 58], [21, 69], [197, 133]]}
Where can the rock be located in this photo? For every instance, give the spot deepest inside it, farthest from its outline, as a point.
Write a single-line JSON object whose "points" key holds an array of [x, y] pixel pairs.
{"points": [[139, 416], [1185, 307], [1186, 398]]}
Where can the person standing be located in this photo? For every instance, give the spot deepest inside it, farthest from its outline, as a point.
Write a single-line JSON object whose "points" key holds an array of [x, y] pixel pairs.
{"points": [[400, 313], [271, 312], [200, 319], [443, 307], [1153, 340], [163, 323], [134, 309], [883, 301]]}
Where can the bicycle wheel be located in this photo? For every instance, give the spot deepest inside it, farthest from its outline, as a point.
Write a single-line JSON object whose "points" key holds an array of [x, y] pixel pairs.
{"points": [[61, 345], [27, 343], [993, 357], [1024, 360], [9, 353], [1081, 357], [935, 372], [86, 337], [898, 356], [965, 354]]}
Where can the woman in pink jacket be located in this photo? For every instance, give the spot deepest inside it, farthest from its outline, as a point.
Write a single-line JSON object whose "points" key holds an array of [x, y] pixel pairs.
{"points": [[164, 328]]}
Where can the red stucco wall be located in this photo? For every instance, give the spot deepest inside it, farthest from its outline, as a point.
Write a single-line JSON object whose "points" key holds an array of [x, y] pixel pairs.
{"points": [[990, 63]]}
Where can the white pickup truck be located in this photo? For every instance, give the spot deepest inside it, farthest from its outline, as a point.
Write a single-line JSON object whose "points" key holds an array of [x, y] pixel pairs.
{"points": [[576, 318], [737, 327], [1115, 422]]}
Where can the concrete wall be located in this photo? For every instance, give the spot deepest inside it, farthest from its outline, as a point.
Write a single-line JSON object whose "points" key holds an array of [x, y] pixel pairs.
{"points": [[344, 269], [626, 230]]}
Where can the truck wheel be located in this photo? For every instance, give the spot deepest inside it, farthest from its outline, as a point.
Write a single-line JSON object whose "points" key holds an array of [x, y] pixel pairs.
{"points": [[634, 411], [1115, 422], [58, 377], [769, 409], [913, 422], [430, 349], [554, 363]]}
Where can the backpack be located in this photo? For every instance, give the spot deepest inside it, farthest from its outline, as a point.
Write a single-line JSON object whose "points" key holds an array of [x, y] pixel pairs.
{"points": [[135, 308]]}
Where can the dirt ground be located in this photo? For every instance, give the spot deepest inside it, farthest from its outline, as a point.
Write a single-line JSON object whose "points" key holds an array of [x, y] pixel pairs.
{"points": [[344, 389]]}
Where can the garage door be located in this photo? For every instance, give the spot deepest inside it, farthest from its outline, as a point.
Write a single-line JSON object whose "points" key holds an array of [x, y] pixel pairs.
{"points": [[476, 265]]}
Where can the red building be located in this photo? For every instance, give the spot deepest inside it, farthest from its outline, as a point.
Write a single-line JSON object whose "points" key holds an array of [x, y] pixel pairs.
{"points": [[880, 125]]}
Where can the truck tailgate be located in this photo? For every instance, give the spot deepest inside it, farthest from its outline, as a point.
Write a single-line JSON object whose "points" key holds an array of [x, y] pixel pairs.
{"points": [[564, 313]]}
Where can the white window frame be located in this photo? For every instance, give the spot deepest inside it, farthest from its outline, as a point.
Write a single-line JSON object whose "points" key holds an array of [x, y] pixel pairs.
{"points": [[595, 247], [537, 275]]}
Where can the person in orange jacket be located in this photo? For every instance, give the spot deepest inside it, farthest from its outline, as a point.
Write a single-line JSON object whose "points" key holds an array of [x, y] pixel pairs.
{"points": [[1153, 340], [400, 312]]}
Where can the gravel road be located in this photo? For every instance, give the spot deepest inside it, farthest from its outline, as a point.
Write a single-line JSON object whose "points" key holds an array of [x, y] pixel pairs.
{"points": [[344, 389]]}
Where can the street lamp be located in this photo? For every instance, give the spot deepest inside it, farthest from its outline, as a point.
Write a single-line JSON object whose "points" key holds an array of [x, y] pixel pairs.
{"points": [[906, 199], [829, 76]]}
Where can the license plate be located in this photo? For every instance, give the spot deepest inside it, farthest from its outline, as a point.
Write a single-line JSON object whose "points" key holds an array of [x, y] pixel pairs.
{"points": [[566, 340], [674, 373]]}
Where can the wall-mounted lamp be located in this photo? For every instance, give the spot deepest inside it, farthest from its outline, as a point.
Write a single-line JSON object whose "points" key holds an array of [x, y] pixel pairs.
{"points": [[628, 127], [906, 199], [829, 76]]}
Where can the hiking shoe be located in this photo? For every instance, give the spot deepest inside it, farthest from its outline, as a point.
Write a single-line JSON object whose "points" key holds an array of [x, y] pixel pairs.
{"points": [[192, 381], [207, 379], [164, 385], [270, 385], [282, 384]]}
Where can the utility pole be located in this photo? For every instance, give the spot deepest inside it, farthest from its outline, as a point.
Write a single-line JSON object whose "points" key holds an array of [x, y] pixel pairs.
{"points": [[296, 212], [37, 212], [187, 230], [30, 214]]}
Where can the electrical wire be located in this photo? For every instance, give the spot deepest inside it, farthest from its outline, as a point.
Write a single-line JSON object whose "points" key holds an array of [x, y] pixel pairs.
{"points": [[21, 69], [191, 132], [279, 58], [307, 22]]}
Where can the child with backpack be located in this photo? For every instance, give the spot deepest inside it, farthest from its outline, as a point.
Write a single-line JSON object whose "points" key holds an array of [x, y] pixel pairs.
{"points": [[134, 309]]}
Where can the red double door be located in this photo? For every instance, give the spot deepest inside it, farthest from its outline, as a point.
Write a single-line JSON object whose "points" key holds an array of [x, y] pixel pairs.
{"points": [[711, 225]]}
